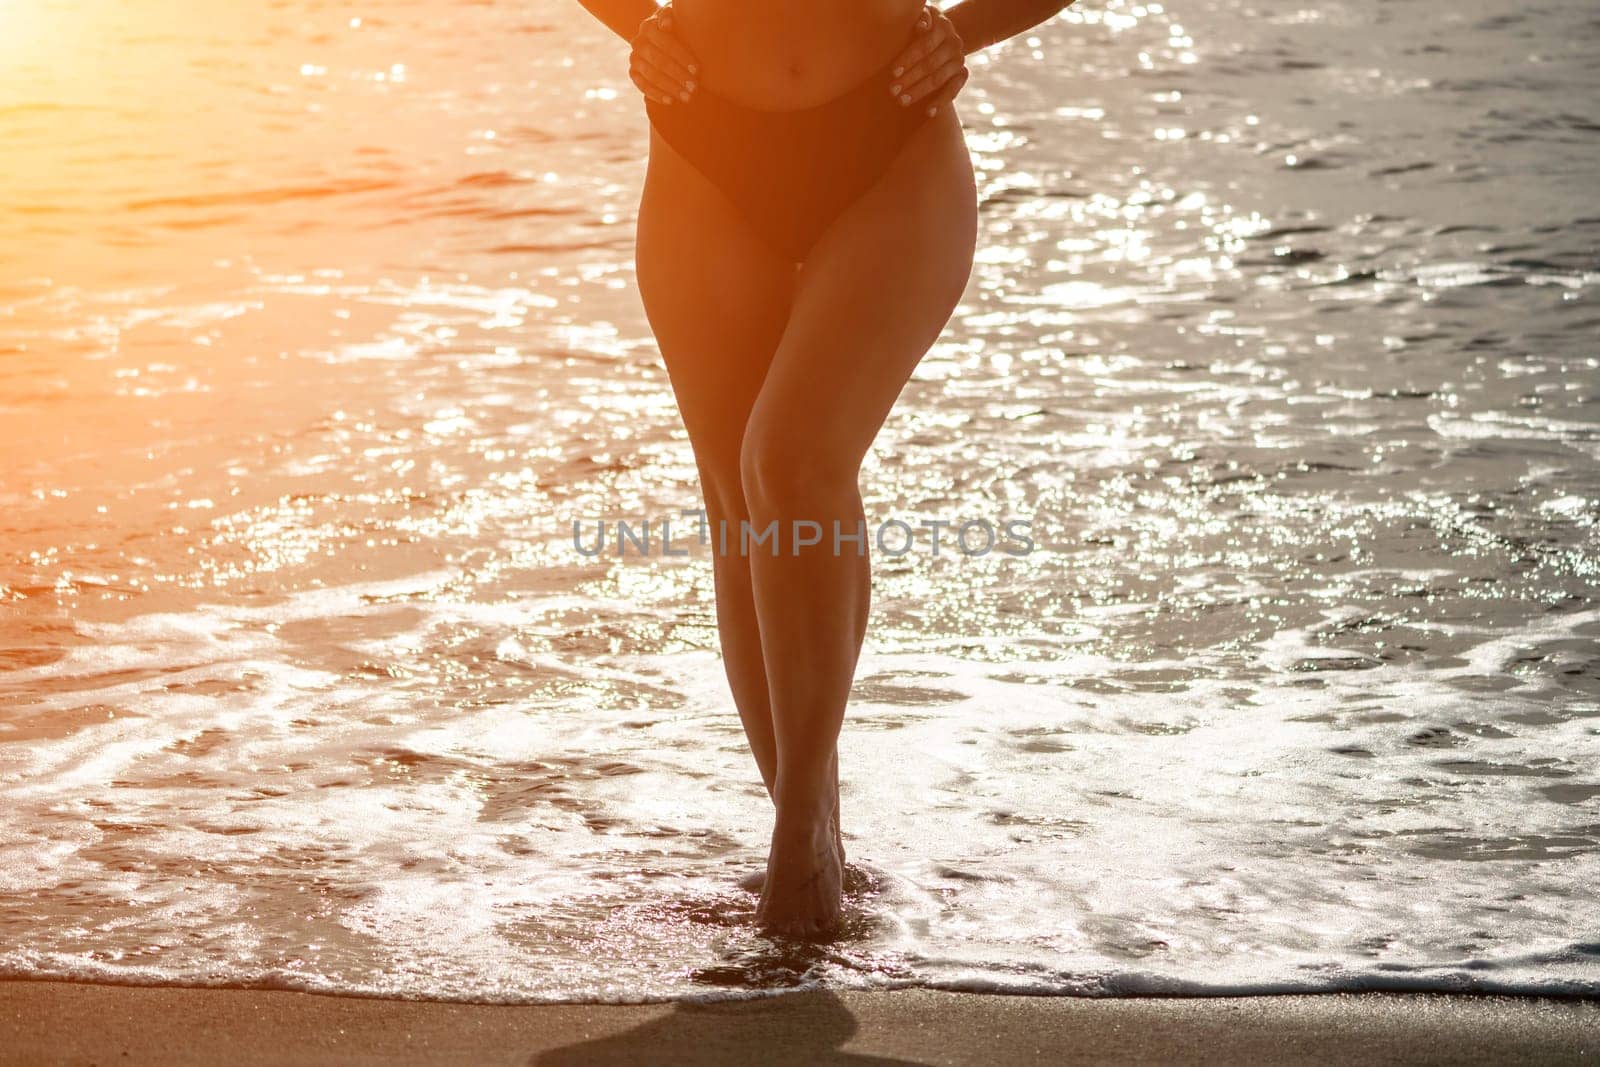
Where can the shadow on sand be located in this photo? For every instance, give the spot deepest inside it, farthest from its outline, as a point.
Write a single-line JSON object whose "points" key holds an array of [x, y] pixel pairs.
{"points": [[804, 1027]]}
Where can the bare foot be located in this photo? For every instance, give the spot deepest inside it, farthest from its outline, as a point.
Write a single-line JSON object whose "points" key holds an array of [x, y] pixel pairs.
{"points": [[805, 876]]}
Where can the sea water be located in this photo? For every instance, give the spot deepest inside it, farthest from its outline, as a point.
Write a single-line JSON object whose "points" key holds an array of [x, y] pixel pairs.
{"points": [[318, 332]]}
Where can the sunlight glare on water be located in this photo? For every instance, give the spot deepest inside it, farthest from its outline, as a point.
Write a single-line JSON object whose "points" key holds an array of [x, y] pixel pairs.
{"points": [[318, 330]]}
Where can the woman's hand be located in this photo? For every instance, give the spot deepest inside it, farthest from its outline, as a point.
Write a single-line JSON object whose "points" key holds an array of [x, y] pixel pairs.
{"points": [[933, 68], [660, 66]]}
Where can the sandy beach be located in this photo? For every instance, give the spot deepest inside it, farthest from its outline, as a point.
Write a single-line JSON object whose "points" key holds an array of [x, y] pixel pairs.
{"points": [[46, 1022]]}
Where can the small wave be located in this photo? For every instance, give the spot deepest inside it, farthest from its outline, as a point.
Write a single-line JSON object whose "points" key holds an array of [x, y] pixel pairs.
{"points": [[259, 197]]}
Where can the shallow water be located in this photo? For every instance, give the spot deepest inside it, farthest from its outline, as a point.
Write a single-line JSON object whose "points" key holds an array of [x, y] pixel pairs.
{"points": [[318, 331]]}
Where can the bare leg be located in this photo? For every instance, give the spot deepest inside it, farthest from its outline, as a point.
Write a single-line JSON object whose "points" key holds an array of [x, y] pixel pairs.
{"points": [[717, 300], [872, 298]]}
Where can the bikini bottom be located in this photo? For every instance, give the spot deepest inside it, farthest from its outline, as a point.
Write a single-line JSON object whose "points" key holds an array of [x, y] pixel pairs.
{"points": [[791, 173]]}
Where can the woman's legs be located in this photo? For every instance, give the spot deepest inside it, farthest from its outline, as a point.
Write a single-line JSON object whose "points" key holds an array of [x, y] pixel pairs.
{"points": [[717, 300], [873, 296]]}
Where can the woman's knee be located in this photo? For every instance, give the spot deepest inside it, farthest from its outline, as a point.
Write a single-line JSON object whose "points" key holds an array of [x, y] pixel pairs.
{"points": [[788, 472]]}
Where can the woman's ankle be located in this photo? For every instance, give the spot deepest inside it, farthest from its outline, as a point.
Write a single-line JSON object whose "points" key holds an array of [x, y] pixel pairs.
{"points": [[806, 803]]}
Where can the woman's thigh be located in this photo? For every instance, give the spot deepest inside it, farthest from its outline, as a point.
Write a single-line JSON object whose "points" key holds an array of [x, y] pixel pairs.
{"points": [[872, 298], [717, 299]]}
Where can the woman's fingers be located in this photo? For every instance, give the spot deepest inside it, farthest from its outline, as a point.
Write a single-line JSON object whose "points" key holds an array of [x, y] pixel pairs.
{"points": [[665, 40], [936, 56], [650, 92], [933, 69], [918, 50], [666, 64], [660, 66], [947, 92], [911, 92], [655, 85]]}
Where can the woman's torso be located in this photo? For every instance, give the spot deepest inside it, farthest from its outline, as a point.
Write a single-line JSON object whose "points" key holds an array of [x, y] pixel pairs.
{"points": [[784, 55]]}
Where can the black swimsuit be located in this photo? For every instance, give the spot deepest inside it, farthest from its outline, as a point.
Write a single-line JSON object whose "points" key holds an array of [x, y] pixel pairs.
{"points": [[791, 173]]}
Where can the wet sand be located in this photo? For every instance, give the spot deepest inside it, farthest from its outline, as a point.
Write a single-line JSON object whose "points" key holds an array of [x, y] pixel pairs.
{"points": [[45, 1022]]}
